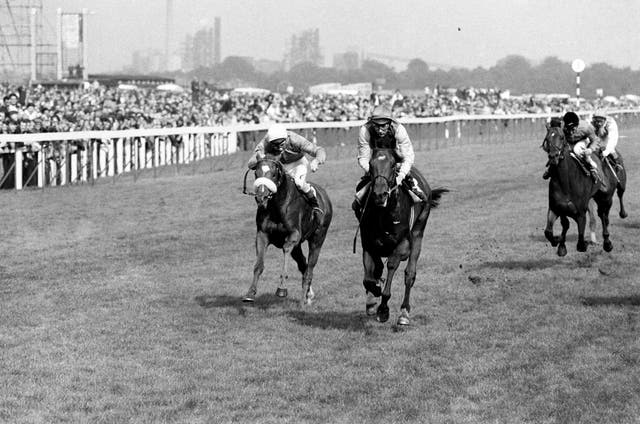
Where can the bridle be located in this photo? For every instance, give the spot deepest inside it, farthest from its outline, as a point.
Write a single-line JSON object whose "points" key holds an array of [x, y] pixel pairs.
{"points": [[268, 183], [391, 184], [555, 152]]}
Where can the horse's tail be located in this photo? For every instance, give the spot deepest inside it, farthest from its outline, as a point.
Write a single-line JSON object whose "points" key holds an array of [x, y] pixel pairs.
{"points": [[436, 193]]}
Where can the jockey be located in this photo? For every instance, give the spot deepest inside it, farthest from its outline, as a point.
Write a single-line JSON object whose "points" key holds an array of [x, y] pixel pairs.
{"points": [[291, 149], [381, 130], [581, 136], [607, 130]]}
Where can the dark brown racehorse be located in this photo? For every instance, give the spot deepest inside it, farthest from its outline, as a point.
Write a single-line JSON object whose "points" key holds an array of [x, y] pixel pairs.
{"points": [[285, 220], [570, 188], [392, 227]]}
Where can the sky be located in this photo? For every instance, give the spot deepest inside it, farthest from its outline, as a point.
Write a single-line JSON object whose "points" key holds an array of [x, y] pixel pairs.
{"points": [[460, 33]]}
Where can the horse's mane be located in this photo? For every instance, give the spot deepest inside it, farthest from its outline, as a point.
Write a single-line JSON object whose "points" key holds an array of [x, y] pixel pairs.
{"points": [[392, 152]]}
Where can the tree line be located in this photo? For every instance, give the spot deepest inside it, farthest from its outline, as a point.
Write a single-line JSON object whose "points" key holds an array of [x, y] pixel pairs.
{"points": [[514, 72]]}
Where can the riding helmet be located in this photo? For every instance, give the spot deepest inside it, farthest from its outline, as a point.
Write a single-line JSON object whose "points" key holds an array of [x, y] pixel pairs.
{"points": [[571, 119]]}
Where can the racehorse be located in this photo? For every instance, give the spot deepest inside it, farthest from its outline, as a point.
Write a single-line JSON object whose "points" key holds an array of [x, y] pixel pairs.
{"points": [[392, 226], [571, 187], [284, 219]]}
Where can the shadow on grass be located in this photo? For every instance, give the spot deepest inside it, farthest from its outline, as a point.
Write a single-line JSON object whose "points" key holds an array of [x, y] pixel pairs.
{"points": [[629, 224], [350, 321], [262, 302], [611, 300], [526, 265]]}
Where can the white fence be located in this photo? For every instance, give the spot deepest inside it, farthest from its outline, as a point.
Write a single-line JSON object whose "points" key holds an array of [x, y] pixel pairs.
{"points": [[64, 158]]}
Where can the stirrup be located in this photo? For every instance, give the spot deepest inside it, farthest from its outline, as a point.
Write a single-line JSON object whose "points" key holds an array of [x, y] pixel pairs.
{"points": [[317, 211]]}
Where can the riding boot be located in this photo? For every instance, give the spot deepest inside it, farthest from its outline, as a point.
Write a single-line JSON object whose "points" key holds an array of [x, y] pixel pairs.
{"points": [[593, 169], [412, 185], [617, 162], [313, 201]]}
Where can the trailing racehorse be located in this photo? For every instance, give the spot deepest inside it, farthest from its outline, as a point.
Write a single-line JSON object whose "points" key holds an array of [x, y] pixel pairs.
{"points": [[571, 187], [392, 226], [284, 218]]}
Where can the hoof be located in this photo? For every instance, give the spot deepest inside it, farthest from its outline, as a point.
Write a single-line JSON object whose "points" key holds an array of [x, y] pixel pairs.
{"points": [[248, 299], [371, 309], [623, 214], [281, 292], [581, 247], [383, 314], [562, 250], [607, 245], [403, 320]]}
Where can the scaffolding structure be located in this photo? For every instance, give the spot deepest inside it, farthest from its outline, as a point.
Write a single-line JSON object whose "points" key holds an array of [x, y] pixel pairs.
{"points": [[26, 52]]}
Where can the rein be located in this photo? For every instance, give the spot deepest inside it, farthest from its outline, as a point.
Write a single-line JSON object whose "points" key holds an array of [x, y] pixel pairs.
{"points": [[366, 203]]}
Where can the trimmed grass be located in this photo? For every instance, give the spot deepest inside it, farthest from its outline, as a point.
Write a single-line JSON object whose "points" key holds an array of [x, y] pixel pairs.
{"points": [[121, 303]]}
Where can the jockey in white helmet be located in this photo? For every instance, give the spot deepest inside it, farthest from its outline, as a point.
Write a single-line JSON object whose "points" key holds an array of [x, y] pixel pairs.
{"points": [[607, 130], [291, 149]]}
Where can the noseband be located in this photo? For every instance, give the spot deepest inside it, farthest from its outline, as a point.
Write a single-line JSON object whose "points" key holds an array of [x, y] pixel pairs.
{"points": [[271, 186]]}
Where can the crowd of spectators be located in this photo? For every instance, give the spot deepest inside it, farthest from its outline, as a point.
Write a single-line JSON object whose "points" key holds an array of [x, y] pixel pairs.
{"points": [[96, 107]]}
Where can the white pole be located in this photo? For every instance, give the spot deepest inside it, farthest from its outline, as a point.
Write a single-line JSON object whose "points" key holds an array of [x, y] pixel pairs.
{"points": [[85, 61], [59, 44], [18, 172], [578, 88], [32, 29]]}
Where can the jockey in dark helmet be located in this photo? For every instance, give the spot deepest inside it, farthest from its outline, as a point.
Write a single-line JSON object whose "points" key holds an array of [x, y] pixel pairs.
{"points": [[581, 136], [291, 149], [382, 131]]}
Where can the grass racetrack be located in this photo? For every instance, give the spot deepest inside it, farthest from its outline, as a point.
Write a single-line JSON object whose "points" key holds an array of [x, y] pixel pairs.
{"points": [[121, 303]]}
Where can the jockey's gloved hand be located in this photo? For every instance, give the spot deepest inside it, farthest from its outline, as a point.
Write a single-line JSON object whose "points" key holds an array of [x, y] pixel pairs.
{"points": [[321, 156], [399, 179], [313, 165]]}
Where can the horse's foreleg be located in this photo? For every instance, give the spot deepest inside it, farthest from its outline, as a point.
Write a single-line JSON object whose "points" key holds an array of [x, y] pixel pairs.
{"points": [[562, 248], [370, 281], [603, 213], [409, 280], [392, 266], [548, 231], [281, 291], [262, 242], [582, 223]]}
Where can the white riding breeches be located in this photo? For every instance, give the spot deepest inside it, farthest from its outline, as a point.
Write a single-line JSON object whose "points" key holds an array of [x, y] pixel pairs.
{"points": [[580, 148], [298, 170]]}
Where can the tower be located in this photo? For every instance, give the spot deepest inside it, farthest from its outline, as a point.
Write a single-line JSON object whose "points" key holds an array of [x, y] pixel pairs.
{"points": [[25, 53]]}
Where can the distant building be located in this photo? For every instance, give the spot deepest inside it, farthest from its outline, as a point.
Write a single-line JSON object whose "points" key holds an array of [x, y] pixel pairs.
{"points": [[148, 61], [267, 66], [202, 49], [304, 47], [348, 61]]}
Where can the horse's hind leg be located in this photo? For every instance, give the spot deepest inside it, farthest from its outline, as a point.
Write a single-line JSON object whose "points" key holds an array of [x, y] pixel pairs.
{"points": [[262, 241], [307, 276], [591, 211]]}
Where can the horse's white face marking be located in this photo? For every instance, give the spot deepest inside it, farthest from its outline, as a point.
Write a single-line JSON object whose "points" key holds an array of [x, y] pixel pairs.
{"points": [[382, 157], [265, 168]]}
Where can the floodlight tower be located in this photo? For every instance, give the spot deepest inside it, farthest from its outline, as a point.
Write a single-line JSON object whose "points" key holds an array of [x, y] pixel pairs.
{"points": [[24, 54]]}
